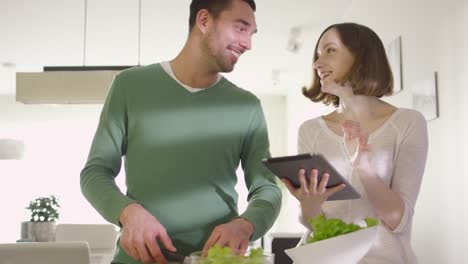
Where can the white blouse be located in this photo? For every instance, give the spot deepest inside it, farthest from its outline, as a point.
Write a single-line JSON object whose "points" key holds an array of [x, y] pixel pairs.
{"points": [[398, 153]]}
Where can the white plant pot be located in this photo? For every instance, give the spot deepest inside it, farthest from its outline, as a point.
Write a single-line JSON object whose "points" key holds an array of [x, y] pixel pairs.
{"points": [[40, 231], [26, 234]]}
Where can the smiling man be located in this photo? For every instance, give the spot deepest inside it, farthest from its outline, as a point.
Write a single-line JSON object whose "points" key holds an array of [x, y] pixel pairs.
{"points": [[184, 129]]}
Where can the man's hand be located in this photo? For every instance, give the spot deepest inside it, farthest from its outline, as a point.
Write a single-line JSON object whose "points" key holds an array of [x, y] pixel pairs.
{"points": [[235, 234], [140, 230]]}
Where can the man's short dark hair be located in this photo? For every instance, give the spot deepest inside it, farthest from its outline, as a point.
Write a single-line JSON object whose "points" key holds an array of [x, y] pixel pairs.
{"points": [[369, 75], [214, 7]]}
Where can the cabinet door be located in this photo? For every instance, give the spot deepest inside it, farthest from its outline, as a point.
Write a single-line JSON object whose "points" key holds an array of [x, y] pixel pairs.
{"points": [[46, 32], [164, 29], [112, 32]]}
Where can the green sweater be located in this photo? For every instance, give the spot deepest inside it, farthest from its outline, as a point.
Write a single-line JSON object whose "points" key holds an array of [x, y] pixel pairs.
{"points": [[181, 153]]}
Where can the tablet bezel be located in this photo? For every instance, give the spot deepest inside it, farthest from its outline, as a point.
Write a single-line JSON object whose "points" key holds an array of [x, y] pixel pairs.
{"points": [[288, 167]]}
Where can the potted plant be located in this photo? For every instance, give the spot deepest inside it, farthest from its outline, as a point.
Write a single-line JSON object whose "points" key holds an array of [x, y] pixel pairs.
{"points": [[41, 226]]}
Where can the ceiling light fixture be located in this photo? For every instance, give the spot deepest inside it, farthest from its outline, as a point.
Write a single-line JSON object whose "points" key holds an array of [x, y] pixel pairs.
{"points": [[7, 64], [295, 39]]}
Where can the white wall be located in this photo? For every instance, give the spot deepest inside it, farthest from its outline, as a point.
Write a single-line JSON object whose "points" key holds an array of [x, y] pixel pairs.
{"points": [[462, 21], [57, 139]]}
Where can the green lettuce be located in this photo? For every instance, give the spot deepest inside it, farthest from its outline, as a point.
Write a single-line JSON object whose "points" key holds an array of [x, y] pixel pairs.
{"points": [[327, 228], [224, 255]]}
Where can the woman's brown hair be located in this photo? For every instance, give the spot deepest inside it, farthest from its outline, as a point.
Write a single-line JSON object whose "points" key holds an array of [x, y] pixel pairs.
{"points": [[370, 73]]}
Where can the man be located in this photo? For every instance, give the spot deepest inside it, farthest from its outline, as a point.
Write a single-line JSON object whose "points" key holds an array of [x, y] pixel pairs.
{"points": [[184, 129]]}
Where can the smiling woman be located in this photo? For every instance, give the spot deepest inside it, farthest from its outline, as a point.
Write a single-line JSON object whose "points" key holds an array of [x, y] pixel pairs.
{"points": [[379, 149]]}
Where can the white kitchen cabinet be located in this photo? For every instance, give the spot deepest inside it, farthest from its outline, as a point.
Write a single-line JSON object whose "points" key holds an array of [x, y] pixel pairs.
{"points": [[164, 29], [36, 33], [112, 32]]}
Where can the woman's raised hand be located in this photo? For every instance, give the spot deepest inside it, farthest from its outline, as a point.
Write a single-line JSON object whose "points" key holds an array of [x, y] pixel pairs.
{"points": [[351, 134]]}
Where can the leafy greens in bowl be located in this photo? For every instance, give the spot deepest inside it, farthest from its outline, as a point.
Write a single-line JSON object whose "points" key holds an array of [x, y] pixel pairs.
{"points": [[334, 242], [224, 255], [327, 228]]}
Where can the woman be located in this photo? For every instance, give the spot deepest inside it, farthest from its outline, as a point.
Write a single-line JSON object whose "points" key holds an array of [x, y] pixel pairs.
{"points": [[379, 148]]}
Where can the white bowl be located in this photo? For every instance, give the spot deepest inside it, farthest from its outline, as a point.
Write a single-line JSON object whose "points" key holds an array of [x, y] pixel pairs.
{"points": [[349, 248]]}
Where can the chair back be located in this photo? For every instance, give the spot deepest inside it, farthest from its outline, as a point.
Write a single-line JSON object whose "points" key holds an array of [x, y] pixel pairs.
{"points": [[101, 239], [45, 253]]}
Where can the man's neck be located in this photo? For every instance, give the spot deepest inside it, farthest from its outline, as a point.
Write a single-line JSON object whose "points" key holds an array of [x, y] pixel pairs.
{"points": [[191, 69]]}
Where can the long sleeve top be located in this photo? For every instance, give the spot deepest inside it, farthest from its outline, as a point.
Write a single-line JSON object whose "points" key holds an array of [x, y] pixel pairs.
{"points": [[181, 151], [398, 153]]}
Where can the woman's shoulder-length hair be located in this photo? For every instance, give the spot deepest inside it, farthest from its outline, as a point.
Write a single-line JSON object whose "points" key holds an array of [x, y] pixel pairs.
{"points": [[370, 73]]}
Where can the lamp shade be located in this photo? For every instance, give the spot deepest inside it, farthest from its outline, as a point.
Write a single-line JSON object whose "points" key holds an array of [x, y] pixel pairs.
{"points": [[11, 149]]}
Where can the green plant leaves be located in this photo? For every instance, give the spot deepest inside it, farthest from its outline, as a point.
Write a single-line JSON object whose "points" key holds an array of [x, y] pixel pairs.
{"points": [[44, 209]]}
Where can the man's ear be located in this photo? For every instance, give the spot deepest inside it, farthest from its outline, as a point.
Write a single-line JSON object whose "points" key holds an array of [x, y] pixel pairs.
{"points": [[203, 19]]}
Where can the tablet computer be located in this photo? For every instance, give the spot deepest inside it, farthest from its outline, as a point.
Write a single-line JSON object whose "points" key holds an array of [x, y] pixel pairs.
{"points": [[289, 166]]}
